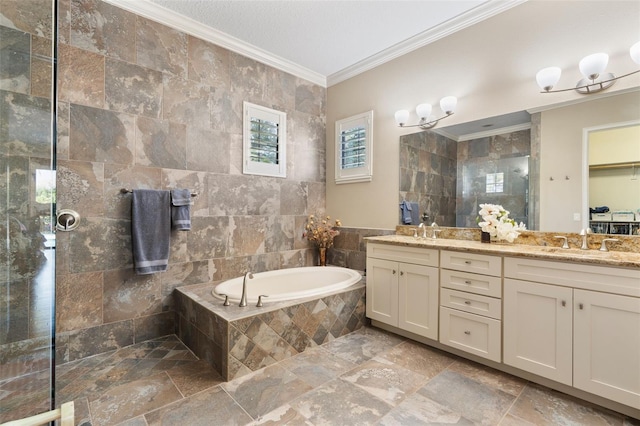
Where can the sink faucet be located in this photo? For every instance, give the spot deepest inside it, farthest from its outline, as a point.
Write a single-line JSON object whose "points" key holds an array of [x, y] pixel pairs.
{"points": [[424, 230], [434, 230], [243, 299], [585, 235]]}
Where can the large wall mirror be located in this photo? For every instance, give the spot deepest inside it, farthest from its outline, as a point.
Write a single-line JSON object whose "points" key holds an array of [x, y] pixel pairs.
{"points": [[448, 172], [611, 184]]}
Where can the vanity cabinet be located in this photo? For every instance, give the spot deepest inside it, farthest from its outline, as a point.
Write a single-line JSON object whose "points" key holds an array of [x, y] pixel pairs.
{"points": [[470, 303], [402, 288], [575, 324]]}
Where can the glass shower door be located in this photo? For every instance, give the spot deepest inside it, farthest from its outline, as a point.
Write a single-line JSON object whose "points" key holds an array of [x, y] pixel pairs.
{"points": [[27, 205]]}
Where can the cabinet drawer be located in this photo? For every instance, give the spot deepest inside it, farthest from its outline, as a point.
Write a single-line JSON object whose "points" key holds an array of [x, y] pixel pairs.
{"points": [[577, 275], [417, 256], [473, 283], [470, 333], [472, 303], [471, 262]]}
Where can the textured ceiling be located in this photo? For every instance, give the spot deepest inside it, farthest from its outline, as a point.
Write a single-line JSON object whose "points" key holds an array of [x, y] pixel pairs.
{"points": [[324, 36]]}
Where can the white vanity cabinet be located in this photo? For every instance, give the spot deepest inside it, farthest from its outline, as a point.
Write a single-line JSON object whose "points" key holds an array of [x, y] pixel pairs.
{"points": [[576, 324], [470, 303], [402, 288]]}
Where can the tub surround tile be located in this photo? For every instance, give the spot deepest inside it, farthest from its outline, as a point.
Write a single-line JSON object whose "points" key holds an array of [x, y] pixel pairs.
{"points": [[161, 48], [127, 295]]}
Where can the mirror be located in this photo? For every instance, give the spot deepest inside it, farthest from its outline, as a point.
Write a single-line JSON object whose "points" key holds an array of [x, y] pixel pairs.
{"points": [[446, 173], [612, 185]]}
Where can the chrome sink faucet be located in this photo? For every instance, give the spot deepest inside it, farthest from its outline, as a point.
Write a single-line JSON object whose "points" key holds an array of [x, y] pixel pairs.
{"points": [[243, 299], [584, 233], [424, 230], [435, 230]]}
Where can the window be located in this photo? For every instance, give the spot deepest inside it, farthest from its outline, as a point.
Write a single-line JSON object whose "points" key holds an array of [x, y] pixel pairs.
{"points": [[495, 183], [354, 148], [264, 141]]}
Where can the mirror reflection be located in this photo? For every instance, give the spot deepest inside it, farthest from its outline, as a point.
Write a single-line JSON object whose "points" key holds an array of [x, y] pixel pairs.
{"points": [[446, 175]]}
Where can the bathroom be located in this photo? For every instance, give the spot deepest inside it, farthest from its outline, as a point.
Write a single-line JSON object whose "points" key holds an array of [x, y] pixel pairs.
{"points": [[162, 112]]}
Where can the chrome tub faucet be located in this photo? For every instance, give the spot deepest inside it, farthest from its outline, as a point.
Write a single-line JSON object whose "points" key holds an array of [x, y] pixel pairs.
{"points": [[243, 299]]}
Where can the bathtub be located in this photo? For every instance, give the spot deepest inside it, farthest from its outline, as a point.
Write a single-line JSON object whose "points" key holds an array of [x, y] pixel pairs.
{"points": [[289, 284]]}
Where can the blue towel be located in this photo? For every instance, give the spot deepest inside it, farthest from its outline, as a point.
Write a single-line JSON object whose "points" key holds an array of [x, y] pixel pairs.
{"points": [[405, 206], [150, 230], [180, 209]]}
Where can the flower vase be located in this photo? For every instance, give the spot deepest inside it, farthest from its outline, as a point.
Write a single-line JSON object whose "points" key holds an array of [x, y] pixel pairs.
{"points": [[485, 237], [322, 258]]}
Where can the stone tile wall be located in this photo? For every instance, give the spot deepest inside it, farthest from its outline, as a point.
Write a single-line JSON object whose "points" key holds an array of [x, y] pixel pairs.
{"points": [[428, 175], [142, 105], [237, 346], [349, 247]]}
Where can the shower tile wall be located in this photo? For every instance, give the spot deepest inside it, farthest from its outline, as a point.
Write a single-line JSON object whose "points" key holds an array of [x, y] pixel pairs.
{"points": [[428, 175], [507, 153], [142, 105], [26, 265]]}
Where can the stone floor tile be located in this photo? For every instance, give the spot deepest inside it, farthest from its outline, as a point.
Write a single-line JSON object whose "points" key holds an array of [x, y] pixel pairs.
{"points": [[316, 366], [420, 358], [419, 410], [194, 377], [475, 401], [284, 415], [340, 403], [132, 399], [489, 376], [363, 344], [210, 407], [262, 391], [384, 379], [543, 406]]}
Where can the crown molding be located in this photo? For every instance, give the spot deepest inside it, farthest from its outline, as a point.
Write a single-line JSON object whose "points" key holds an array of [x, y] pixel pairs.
{"points": [[464, 20], [155, 12]]}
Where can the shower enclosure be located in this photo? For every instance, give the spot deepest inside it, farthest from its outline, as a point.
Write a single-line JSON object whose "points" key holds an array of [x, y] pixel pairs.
{"points": [[27, 205]]}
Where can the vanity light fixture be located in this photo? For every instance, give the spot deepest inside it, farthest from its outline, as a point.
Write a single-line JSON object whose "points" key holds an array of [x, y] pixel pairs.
{"points": [[447, 105], [592, 68]]}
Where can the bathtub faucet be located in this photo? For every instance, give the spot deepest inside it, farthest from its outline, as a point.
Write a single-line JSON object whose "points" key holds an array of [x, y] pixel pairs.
{"points": [[243, 299]]}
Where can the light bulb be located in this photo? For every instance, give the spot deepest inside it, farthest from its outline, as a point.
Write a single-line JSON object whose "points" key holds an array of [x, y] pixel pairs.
{"points": [[635, 53], [423, 111], [593, 65], [448, 104], [402, 116], [548, 77]]}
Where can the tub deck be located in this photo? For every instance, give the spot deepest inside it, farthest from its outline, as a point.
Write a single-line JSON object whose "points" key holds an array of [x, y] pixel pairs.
{"points": [[237, 341]]}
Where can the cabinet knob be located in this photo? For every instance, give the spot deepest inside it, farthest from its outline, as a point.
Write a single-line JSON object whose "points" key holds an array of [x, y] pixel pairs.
{"points": [[467, 262], [401, 273], [580, 306], [467, 282], [564, 303], [468, 333], [394, 272], [467, 302]]}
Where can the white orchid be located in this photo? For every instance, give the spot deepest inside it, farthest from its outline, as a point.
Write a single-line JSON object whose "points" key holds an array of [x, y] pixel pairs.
{"points": [[496, 222]]}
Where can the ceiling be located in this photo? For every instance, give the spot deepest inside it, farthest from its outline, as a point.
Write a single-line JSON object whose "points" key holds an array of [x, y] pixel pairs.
{"points": [[324, 41]]}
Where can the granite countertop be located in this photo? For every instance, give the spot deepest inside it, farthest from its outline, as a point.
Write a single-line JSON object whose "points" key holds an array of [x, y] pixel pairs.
{"points": [[592, 257]]}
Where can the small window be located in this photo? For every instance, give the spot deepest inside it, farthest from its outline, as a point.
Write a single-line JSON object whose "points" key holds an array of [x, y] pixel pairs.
{"points": [[495, 183], [354, 148], [264, 140]]}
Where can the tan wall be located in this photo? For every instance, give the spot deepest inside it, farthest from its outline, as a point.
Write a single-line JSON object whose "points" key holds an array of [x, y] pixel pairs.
{"points": [[488, 67], [621, 145]]}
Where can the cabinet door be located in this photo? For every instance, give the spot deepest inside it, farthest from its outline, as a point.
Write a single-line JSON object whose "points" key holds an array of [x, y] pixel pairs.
{"points": [[538, 329], [607, 346], [418, 304], [382, 291]]}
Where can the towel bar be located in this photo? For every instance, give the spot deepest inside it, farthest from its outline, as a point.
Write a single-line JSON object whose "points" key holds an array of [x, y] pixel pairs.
{"points": [[125, 191]]}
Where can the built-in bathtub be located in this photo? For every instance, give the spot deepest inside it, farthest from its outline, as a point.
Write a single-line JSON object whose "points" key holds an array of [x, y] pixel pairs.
{"points": [[237, 340], [288, 284]]}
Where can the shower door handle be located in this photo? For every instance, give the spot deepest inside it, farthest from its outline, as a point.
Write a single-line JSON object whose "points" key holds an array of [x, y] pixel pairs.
{"points": [[67, 220]]}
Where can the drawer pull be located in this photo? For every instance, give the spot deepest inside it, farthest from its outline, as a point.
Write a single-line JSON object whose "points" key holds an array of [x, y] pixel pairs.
{"points": [[467, 262], [467, 282], [580, 306], [401, 273], [564, 303], [467, 302], [394, 272], [468, 333]]}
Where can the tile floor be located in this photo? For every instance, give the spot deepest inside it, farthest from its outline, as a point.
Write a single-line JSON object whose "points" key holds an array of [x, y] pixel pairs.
{"points": [[368, 377]]}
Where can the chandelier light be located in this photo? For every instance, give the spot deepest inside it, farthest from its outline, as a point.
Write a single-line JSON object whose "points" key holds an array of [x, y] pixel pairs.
{"points": [[592, 68], [423, 111]]}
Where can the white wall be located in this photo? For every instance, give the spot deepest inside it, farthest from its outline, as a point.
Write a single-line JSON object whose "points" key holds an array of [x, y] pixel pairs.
{"points": [[491, 68]]}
